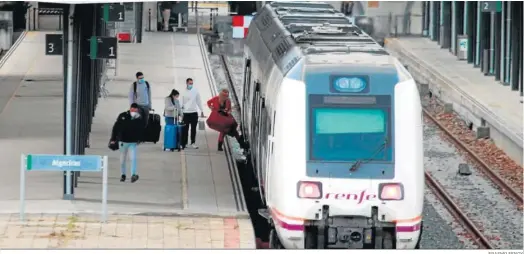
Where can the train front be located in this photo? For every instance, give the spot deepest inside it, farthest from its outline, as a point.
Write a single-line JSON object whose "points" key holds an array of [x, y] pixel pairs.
{"points": [[363, 182]]}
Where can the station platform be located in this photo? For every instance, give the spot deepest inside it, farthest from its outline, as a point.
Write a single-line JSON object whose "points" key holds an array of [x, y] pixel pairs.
{"points": [[478, 99], [193, 185]]}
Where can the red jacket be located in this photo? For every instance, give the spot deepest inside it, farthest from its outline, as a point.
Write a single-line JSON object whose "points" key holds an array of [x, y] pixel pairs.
{"points": [[215, 104]]}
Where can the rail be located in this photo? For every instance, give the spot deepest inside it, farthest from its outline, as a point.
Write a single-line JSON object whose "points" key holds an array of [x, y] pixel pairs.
{"points": [[232, 166], [483, 166], [454, 209], [230, 82]]}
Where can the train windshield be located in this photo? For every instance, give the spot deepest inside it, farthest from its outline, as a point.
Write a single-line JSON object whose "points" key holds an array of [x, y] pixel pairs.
{"points": [[349, 134]]}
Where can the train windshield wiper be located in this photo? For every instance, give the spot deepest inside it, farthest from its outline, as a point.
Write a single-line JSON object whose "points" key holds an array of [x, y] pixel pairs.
{"points": [[379, 149]]}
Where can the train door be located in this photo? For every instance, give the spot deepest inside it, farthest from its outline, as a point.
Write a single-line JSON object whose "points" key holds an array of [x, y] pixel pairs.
{"points": [[255, 126], [245, 97], [263, 147], [269, 165]]}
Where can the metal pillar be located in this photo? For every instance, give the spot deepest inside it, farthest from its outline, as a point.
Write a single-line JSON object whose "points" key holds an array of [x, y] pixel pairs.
{"points": [[507, 57], [67, 31], [503, 42], [69, 101], [139, 9], [477, 39], [516, 47], [492, 43], [431, 20], [454, 27]]}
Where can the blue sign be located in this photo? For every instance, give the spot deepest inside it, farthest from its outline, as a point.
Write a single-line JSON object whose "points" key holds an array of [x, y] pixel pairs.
{"points": [[50, 162], [349, 84]]}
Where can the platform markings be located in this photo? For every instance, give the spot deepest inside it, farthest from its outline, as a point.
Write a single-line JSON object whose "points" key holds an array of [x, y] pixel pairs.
{"points": [[32, 66], [183, 163]]}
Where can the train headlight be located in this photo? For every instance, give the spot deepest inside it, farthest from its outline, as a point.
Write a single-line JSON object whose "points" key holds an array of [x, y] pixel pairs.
{"points": [[391, 191], [312, 190]]}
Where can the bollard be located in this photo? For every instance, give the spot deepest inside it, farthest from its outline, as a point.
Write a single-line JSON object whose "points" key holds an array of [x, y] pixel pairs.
{"points": [[34, 19], [149, 20], [482, 132], [448, 108]]}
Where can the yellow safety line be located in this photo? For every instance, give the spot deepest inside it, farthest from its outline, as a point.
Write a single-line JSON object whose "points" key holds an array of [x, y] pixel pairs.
{"points": [[185, 199], [213, 5], [183, 162]]}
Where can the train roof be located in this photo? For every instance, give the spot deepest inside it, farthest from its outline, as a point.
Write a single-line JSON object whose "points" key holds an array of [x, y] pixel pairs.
{"points": [[312, 27]]}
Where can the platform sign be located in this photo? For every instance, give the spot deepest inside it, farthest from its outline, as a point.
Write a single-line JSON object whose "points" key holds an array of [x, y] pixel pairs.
{"points": [[60, 163], [54, 44], [103, 47], [114, 13], [491, 6]]}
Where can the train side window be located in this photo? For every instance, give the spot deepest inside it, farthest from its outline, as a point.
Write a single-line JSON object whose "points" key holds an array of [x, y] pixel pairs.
{"points": [[247, 78], [273, 122]]}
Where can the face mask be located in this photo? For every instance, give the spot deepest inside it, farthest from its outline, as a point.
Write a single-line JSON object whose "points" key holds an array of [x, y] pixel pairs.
{"points": [[142, 81], [189, 87], [134, 115]]}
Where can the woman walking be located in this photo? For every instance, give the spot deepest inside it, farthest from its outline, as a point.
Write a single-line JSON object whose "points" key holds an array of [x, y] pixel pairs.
{"points": [[222, 105], [172, 107]]}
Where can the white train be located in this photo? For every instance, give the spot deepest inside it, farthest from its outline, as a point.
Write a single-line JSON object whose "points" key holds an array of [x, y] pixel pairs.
{"points": [[335, 129]]}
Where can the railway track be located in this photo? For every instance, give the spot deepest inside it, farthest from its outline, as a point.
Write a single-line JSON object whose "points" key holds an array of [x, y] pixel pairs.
{"points": [[455, 210], [482, 166], [230, 82]]}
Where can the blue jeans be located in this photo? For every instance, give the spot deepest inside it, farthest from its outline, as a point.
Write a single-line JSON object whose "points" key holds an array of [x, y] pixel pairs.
{"points": [[124, 149], [169, 120]]}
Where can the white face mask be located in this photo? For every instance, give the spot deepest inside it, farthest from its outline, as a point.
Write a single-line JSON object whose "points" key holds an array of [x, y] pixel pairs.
{"points": [[135, 115]]}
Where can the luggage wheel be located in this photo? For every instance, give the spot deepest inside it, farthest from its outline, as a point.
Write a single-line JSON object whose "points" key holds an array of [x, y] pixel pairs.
{"points": [[172, 149]]}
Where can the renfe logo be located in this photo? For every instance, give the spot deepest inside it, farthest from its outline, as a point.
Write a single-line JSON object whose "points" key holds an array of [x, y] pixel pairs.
{"points": [[361, 197], [70, 163]]}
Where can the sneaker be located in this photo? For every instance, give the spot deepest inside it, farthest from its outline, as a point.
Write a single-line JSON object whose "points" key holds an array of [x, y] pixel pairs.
{"points": [[122, 178], [194, 146], [134, 178]]}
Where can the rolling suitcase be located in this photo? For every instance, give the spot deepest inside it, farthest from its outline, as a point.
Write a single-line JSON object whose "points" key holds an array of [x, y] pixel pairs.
{"points": [[153, 129], [172, 136]]}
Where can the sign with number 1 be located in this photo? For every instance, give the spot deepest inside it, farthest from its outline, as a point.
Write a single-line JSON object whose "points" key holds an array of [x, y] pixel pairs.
{"points": [[114, 13], [103, 47]]}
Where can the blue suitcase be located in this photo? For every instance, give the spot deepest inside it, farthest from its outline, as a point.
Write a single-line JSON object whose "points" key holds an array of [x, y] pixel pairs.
{"points": [[172, 137]]}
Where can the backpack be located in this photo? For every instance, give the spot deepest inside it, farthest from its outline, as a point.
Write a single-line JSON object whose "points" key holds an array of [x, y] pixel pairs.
{"points": [[134, 87]]}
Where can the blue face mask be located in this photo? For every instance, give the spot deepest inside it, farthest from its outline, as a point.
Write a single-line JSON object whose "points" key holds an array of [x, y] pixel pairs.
{"points": [[142, 81], [189, 87]]}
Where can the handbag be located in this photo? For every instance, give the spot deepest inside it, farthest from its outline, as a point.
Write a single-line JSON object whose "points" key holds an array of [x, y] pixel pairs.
{"points": [[113, 146], [221, 122]]}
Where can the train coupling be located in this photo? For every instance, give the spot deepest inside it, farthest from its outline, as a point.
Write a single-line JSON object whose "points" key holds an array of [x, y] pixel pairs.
{"points": [[349, 232]]}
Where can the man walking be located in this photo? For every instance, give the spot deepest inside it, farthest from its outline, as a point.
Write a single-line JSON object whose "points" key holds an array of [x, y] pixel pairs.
{"points": [[140, 93], [127, 131], [191, 103]]}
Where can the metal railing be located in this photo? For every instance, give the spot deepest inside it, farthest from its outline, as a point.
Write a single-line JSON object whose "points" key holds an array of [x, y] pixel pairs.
{"points": [[44, 19], [397, 25]]}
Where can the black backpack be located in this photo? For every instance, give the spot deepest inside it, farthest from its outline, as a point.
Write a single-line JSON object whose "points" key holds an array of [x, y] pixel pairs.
{"points": [[134, 87]]}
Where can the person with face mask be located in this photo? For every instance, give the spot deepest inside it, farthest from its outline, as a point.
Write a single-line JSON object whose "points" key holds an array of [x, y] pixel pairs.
{"points": [[127, 131], [172, 107], [191, 104], [140, 93]]}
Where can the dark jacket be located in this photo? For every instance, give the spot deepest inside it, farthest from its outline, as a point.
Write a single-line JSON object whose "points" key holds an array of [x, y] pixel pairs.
{"points": [[127, 129]]}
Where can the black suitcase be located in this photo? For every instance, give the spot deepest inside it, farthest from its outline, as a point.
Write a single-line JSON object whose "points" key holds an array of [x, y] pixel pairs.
{"points": [[153, 129]]}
